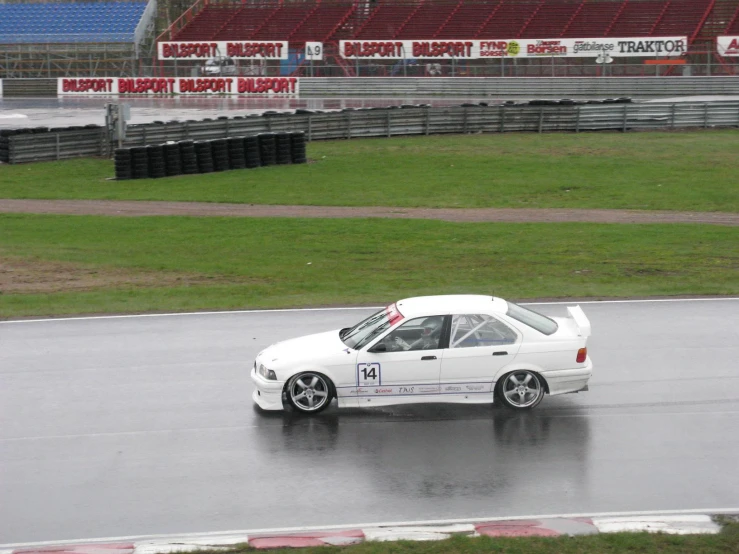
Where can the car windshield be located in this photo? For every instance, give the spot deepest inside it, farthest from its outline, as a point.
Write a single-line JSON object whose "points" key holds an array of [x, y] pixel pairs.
{"points": [[531, 318], [364, 331]]}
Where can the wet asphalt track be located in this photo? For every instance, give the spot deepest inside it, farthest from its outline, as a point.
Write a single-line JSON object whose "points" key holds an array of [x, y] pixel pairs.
{"points": [[132, 426]]}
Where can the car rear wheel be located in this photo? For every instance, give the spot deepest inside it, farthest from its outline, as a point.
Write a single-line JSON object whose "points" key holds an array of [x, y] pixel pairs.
{"points": [[309, 392], [521, 390]]}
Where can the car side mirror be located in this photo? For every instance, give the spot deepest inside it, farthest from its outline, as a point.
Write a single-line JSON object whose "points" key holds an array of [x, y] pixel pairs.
{"points": [[379, 347]]}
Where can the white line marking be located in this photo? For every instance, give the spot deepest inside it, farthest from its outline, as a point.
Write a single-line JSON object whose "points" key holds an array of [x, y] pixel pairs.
{"points": [[340, 308], [188, 536]]}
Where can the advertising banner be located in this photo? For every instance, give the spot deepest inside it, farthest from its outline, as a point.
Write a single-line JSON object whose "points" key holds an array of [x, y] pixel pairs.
{"points": [[728, 46], [152, 86], [238, 50], [513, 48]]}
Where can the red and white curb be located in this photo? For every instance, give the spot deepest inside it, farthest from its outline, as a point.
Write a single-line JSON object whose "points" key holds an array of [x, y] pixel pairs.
{"points": [[679, 524]]}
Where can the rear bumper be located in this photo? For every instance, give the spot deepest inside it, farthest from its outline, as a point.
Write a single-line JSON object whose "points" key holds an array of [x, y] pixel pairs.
{"points": [[562, 381], [267, 394]]}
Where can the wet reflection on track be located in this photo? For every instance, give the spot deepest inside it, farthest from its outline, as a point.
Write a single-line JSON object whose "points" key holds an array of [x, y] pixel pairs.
{"points": [[436, 452]]}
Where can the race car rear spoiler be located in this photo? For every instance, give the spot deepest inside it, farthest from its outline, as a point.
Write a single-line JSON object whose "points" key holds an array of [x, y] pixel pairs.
{"points": [[581, 320]]}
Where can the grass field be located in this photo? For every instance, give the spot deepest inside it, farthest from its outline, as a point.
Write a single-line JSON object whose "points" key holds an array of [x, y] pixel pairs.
{"points": [[657, 171], [86, 264]]}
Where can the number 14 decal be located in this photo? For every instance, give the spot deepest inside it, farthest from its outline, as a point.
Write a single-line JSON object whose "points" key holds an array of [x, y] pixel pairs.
{"points": [[368, 374]]}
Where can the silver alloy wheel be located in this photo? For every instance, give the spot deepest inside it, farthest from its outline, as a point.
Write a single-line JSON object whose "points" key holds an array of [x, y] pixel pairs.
{"points": [[522, 389], [309, 392]]}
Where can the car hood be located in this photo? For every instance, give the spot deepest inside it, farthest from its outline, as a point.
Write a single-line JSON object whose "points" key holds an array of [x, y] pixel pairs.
{"points": [[303, 349]]}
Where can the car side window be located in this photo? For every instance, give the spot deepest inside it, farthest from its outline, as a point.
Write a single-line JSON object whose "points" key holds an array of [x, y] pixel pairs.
{"points": [[475, 330], [422, 333]]}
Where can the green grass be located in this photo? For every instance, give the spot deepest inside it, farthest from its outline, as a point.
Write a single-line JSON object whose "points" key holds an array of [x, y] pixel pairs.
{"points": [[656, 171], [229, 263], [615, 543]]}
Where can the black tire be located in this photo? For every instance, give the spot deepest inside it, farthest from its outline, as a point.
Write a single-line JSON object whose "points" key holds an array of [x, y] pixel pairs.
{"points": [[515, 392], [303, 389]]}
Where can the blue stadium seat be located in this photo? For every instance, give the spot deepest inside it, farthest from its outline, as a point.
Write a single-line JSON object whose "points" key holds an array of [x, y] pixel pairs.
{"points": [[70, 22]]}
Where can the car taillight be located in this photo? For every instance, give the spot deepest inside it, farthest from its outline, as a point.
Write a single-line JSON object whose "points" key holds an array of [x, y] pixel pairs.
{"points": [[582, 354]]}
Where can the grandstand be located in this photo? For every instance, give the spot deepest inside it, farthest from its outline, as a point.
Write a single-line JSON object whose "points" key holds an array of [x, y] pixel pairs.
{"points": [[330, 21], [60, 38]]}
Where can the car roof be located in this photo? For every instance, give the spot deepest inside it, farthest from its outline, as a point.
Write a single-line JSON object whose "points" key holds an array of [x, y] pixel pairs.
{"points": [[450, 304]]}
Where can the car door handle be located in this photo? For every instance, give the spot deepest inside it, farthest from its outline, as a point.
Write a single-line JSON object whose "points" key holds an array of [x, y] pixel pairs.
{"points": [[500, 353], [428, 357]]}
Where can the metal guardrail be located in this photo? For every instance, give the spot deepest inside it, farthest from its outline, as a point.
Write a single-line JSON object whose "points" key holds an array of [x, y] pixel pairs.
{"points": [[384, 122], [44, 147], [387, 122]]}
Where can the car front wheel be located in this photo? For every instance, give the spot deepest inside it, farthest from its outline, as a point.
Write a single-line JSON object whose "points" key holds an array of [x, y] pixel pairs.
{"points": [[309, 392], [521, 390]]}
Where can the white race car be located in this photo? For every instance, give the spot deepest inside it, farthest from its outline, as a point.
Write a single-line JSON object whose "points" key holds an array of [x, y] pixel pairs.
{"points": [[466, 349]]}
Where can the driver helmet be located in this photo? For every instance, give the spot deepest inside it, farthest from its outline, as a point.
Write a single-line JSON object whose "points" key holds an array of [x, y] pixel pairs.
{"points": [[431, 325]]}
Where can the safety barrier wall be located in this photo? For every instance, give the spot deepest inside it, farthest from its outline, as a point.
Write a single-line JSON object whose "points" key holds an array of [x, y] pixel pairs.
{"points": [[556, 87], [385, 122], [41, 147]]}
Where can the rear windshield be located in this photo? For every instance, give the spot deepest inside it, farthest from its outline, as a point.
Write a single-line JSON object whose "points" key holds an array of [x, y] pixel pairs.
{"points": [[531, 318]]}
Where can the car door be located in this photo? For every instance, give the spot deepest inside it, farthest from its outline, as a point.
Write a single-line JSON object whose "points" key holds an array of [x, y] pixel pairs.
{"points": [[404, 365], [479, 345]]}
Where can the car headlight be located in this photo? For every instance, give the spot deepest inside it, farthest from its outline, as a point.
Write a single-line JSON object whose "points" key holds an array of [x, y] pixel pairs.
{"points": [[267, 373]]}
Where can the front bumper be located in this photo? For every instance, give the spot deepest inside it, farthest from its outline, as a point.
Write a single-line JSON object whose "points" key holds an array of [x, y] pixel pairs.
{"points": [[267, 394]]}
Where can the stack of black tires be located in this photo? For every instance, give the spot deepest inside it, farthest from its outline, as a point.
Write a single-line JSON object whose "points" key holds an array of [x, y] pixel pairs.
{"points": [[123, 164], [206, 156], [297, 148]]}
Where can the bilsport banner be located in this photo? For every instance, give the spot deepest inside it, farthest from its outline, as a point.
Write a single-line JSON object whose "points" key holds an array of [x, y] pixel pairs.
{"points": [[475, 49], [728, 46], [162, 86], [235, 49]]}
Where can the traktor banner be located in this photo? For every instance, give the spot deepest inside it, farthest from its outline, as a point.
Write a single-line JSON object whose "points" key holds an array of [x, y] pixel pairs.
{"points": [[163, 86], [514, 48], [728, 46], [238, 50]]}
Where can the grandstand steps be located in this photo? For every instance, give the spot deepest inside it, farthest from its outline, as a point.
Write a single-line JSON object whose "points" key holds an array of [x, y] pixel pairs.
{"points": [[659, 18], [509, 20], [413, 14], [207, 23], [550, 19], [323, 22], [467, 19], [245, 22], [733, 26], [386, 20], [616, 16], [574, 15]]}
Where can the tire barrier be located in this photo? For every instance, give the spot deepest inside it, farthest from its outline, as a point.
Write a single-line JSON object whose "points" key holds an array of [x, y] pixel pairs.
{"points": [[251, 152], [140, 162], [172, 159], [123, 164], [267, 149], [206, 156], [284, 150], [188, 157], [155, 154]]}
